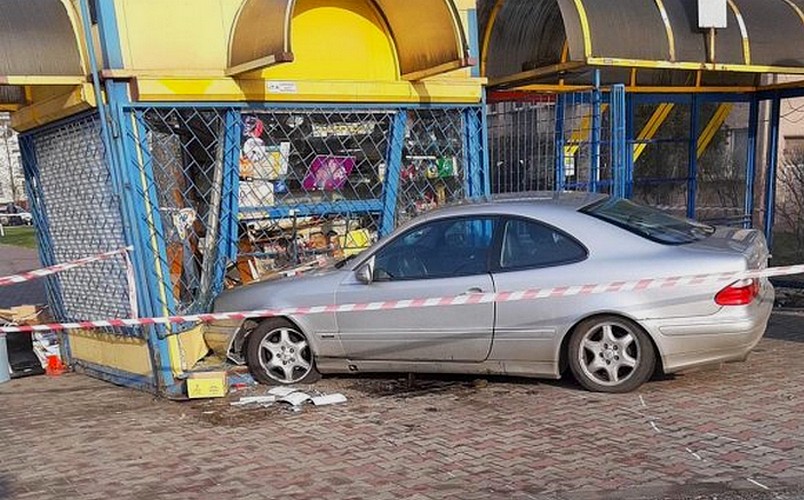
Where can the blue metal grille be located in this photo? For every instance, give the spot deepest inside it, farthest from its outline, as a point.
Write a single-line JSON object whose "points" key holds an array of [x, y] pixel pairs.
{"points": [[546, 142]]}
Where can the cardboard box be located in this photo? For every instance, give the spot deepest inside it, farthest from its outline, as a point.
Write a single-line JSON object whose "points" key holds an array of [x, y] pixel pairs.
{"points": [[207, 385]]}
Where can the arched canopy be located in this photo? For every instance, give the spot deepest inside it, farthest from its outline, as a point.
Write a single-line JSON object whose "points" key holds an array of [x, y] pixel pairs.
{"points": [[427, 35], [540, 41], [40, 38], [39, 45]]}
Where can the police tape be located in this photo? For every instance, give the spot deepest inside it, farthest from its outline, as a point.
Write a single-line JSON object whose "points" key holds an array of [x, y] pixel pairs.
{"points": [[457, 300], [58, 268]]}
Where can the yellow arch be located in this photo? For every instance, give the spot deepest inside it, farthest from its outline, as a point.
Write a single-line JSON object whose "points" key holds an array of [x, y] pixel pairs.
{"points": [[484, 47], [426, 45], [743, 31]]}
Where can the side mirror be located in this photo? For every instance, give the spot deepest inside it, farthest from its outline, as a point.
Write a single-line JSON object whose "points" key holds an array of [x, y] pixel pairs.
{"points": [[365, 273]]}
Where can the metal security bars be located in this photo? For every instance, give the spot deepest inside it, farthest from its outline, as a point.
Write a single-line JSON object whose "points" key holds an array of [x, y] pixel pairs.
{"points": [[541, 142], [78, 215], [256, 192]]}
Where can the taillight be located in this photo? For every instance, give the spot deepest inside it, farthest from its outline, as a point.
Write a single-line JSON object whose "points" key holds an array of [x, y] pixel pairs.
{"points": [[740, 293]]}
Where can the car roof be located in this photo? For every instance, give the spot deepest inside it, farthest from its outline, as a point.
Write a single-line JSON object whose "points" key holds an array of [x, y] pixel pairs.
{"points": [[521, 203]]}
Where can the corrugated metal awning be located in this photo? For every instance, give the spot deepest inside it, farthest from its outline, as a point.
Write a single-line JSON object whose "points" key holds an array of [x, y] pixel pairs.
{"points": [[542, 41], [39, 45], [40, 39], [428, 36]]}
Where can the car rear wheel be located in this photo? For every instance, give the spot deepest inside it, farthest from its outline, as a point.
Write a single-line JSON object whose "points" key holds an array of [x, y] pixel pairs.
{"points": [[611, 354], [279, 353]]}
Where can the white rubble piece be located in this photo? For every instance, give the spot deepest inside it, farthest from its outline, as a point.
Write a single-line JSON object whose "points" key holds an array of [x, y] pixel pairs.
{"points": [[292, 396]]}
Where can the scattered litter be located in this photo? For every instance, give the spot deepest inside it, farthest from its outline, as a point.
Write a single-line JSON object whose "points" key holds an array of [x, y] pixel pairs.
{"points": [[655, 428], [641, 400], [698, 457], [480, 383], [294, 397], [329, 399], [757, 483], [282, 391], [248, 400], [54, 366]]}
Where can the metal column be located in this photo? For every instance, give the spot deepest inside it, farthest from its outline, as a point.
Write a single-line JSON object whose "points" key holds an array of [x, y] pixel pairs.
{"points": [[692, 172], [751, 160], [773, 159], [560, 176], [619, 142], [597, 120]]}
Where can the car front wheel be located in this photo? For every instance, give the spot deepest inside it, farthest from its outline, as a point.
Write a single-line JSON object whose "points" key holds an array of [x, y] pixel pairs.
{"points": [[279, 353], [611, 354]]}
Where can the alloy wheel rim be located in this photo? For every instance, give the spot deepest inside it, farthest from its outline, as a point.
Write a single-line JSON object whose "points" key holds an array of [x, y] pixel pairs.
{"points": [[609, 354], [285, 355]]}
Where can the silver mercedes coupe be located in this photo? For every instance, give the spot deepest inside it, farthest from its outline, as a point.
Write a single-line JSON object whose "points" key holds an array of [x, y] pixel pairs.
{"points": [[610, 342]]}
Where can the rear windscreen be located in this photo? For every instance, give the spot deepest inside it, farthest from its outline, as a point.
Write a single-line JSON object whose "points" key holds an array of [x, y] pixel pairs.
{"points": [[648, 222]]}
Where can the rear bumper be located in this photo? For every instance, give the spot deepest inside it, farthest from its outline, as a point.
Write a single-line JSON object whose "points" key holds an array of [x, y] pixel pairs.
{"points": [[728, 335]]}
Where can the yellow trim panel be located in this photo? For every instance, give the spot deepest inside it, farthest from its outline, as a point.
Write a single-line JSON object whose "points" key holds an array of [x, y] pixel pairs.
{"points": [[72, 100], [467, 90], [691, 66], [128, 354]]}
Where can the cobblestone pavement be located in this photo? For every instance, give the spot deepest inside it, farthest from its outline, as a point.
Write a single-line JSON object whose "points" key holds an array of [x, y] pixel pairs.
{"points": [[727, 433], [15, 260]]}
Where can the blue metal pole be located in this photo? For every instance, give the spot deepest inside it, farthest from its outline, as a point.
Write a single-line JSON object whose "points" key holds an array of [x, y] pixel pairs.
{"points": [[473, 131], [751, 161], [629, 152], [594, 169], [486, 159], [393, 172], [692, 171], [773, 159], [120, 163], [618, 140], [561, 178]]}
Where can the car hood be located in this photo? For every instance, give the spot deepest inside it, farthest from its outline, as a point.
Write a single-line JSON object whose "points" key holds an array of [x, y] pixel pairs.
{"points": [[314, 288]]}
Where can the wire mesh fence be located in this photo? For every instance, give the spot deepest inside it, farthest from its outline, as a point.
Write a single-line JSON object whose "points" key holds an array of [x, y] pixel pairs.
{"points": [[279, 189], [71, 186]]}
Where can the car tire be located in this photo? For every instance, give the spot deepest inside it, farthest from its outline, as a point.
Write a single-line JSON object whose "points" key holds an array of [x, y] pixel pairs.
{"points": [[611, 354], [279, 353]]}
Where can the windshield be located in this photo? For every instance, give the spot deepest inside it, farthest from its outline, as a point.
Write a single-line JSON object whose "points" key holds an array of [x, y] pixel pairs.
{"points": [[648, 222]]}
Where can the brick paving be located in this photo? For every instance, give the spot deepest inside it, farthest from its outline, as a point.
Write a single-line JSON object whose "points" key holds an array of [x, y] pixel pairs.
{"points": [[706, 434]]}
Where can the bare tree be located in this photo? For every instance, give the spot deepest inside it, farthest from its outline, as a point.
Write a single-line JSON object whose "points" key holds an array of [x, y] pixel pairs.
{"points": [[790, 200]]}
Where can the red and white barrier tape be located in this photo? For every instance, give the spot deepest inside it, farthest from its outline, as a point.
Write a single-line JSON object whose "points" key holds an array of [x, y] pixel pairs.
{"points": [[58, 268], [475, 298]]}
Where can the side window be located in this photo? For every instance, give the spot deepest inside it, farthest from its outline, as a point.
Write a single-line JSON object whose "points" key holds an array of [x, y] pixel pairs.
{"points": [[531, 244], [438, 249]]}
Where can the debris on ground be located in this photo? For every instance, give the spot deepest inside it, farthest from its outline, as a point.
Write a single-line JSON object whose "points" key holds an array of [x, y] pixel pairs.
{"points": [[294, 397], [31, 354]]}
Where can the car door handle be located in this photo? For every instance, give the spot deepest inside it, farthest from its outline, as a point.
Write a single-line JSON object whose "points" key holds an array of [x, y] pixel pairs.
{"points": [[474, 289]]}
